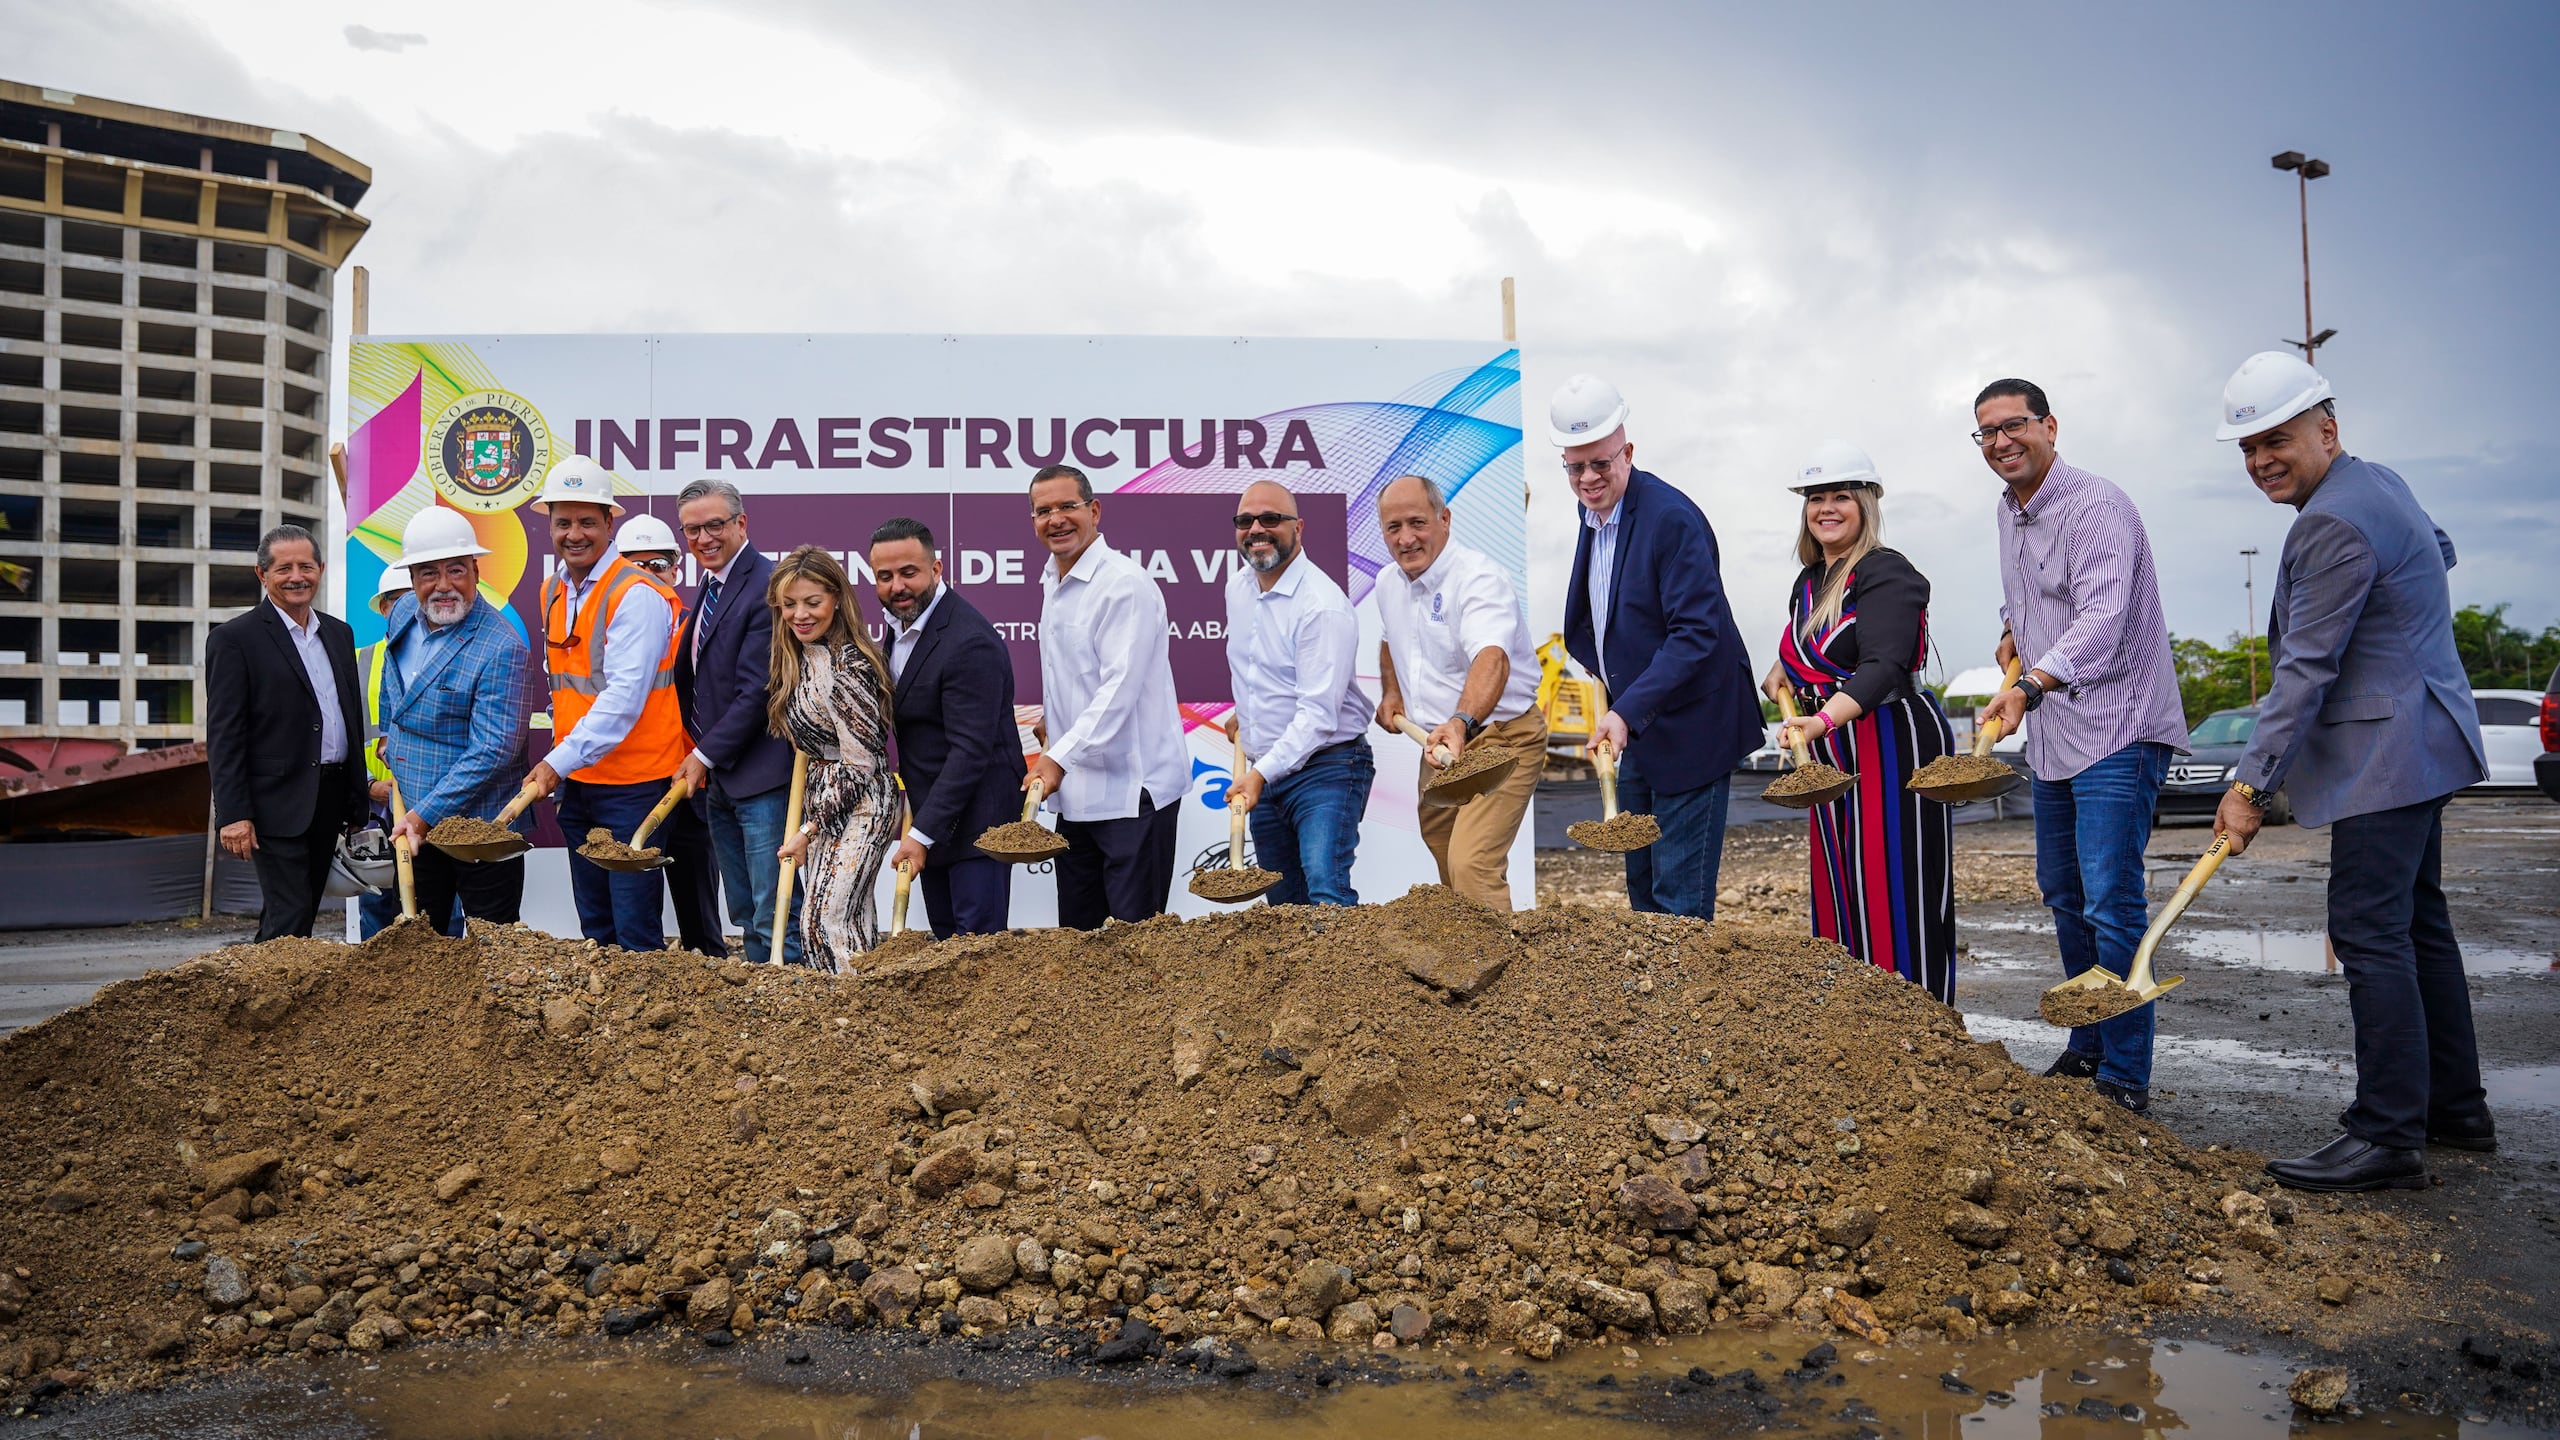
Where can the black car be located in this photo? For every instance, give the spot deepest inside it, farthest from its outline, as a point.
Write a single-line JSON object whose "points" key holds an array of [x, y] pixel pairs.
{"points": [[2198, 779], [2546, 766]]}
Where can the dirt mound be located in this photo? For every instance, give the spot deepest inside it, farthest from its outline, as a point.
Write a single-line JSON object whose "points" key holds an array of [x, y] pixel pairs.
{"points": [[1408, 1120]]}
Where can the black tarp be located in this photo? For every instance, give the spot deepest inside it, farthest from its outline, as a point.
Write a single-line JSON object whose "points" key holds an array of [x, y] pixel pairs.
{"points": [[70, 883]]}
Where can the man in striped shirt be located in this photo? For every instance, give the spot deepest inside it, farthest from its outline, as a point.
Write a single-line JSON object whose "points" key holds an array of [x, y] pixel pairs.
{"points": [[2080, 605]]}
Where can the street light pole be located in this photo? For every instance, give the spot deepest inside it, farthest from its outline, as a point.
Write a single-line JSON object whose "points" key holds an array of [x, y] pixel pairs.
{"points": [[2249, 588], [2305, 170]]}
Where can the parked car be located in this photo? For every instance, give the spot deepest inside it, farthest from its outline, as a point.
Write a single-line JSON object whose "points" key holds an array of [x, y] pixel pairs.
{"points": [[1771, 755], [2197, 781], [2511, 731], [2546, 766]]}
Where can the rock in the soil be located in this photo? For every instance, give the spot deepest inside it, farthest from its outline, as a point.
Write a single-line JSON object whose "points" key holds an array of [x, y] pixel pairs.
{"points": [[564, 1018], [1352, 1323], [2336, 1289], [1854, 1315], [984, 1263], [1318, 1286], [451, 1184], [944, 1171], [1651, 1202], [2113, 1237], [893, 1293], [1362, 1095], [1461, 966], [1627, 1309], [1675, 1129], [1408, 1322], [1971, 1224], [241, 1172], [2321, 1391], [1847, 1226], [708, 1307], [619, 1160], [1772, 1288], [1966, 1183], [1540, 1341], [224, 1286]]}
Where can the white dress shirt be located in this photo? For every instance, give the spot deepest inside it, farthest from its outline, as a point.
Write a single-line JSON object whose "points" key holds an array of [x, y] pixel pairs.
{"points": [[314, 655], [903, 638], [1293, 656], [1604, 561], [1438, 623], [1106, 687], [635, 643]]}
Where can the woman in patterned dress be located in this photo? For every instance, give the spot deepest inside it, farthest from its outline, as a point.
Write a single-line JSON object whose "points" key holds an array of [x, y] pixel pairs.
{"points": [[830, 699], [1857, 629]]}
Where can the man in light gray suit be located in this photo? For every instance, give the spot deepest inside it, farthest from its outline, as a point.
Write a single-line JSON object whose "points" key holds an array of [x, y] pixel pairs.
{"points": [[2369, 727]]}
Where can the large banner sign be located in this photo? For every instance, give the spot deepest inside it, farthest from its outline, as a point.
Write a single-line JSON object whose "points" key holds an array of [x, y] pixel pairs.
{"points": [[829, 435]]}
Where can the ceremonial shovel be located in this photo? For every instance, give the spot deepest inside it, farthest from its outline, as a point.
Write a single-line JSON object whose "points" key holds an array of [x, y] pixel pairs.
{"points": [[1445, 792], [1024, 850], [1957, 792], [790, 868], [640, 837], [483, 851], [1596, 834], [400, 857], [2130, 993], [1817, 795], [1235, 882]]}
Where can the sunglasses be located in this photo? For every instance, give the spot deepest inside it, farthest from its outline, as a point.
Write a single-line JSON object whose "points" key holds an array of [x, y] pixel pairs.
{"points": [[1268, 520]]}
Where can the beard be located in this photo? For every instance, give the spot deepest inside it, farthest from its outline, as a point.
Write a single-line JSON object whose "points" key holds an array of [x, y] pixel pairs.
{"points": [[444, 607], [1266, 561], [904, 609]]}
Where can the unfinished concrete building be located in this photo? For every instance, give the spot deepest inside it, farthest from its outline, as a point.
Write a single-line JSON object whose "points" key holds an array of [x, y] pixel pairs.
{"points": [[165, 300]]}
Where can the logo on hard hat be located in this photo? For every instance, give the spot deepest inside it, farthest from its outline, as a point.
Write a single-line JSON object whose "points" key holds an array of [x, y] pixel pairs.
{"points": [[1812, 470], [485, 450], [2243, 412]]}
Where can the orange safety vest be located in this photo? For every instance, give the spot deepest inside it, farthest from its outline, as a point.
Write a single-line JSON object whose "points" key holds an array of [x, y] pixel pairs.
{"points": [[573, 647]]}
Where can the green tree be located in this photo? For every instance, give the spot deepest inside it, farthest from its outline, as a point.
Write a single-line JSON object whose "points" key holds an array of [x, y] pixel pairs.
{"points": [[2499, 655], [2216, 677]]}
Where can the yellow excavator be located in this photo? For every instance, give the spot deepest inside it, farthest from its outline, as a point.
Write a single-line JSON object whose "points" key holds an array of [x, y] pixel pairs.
{"points": [[1571, 702]]}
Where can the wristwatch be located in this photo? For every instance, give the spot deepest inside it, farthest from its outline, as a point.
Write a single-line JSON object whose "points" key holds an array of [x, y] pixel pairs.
{"points": [[2034, 691], [1474, 726], [2251, 793]]}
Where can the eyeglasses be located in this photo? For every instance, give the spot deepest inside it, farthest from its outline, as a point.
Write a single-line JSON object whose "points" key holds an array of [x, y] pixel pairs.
{"points": [[2013, 427], [710, 527], [1268, 520], [1575, 469], [657, 564], [1043, 512]]}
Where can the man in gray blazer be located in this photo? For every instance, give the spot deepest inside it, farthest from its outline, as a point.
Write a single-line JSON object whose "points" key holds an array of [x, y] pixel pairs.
{"points": [[2369, 727]]}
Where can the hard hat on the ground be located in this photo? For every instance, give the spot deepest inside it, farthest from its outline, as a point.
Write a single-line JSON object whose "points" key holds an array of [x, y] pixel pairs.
{"points": [[644, 532], [575, 477], [1836, 463], [394, 584], [437, 533], [1585, 408], [2268, 389]]}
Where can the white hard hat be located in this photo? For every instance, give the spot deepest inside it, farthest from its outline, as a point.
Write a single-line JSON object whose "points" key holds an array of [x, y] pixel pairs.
{"points": [[394, 584], [644, 532], [2268, 389], [1586, 408], [575, 477], [1836, 463], [437, 533]]}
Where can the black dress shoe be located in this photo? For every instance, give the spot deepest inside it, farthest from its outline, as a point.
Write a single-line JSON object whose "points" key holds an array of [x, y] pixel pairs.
{"points": [[2073, 1065], [2348, 1163], [2479, 1135], [2136, 1098]]}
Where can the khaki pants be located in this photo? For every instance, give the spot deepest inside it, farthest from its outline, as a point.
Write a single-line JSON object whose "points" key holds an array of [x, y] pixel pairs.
{"points": [[1472, 843]]}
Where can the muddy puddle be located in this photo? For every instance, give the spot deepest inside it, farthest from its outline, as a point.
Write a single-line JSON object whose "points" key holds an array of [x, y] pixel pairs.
{"points": [[2045, 1387]]}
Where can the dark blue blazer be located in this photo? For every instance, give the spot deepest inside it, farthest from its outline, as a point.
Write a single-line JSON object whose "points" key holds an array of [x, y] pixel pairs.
{"points": [[958, 750], [723, 702], [1679, 674]]}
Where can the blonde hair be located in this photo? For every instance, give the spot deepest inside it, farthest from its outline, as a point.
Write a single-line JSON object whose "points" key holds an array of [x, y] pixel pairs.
{"points": [[820, 569], [1835, 588]]}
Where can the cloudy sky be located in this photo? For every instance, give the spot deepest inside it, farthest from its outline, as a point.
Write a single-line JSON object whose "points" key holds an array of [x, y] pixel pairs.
{"points": [[1768, 224]]}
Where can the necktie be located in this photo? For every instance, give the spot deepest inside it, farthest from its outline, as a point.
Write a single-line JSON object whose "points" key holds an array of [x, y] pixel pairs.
{"points": [[702, 621]]}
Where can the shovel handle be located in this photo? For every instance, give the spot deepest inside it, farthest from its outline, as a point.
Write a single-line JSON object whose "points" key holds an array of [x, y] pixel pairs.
{"points": [[898, 900], [2205, 865], [1787, 711], [1604, 759], [675, 792], [790, 868], [1989, 730], [531, 792], [400, 855], [1235, 817], [1439, 754], [1031, 799]]}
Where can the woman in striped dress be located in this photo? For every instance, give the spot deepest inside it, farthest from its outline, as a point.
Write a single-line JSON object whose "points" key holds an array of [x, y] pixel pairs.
{"points": [[1857, 628], [830, 699]]}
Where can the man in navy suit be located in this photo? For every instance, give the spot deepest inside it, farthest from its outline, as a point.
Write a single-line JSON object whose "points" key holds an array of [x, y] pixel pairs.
{"points": [[958, 751], [2369, 728], [1646, 613], [739, 769]]}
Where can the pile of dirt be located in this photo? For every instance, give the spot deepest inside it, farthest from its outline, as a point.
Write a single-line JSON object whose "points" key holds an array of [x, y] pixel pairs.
{"points": [[1383, 1125], [1805, 780], [463, 830], [1227, 883], [602, 846], [1957, 769], [1622, 831], [1022, 841]]}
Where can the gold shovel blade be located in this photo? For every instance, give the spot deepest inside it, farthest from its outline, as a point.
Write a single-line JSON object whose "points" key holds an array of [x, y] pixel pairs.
{"points": [[486, 851], [1449, 794], [1807, 799], [2097, 994]]}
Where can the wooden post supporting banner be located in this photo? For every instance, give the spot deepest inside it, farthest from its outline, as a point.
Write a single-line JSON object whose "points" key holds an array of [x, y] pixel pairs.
{"points": [[1510, 312], [360, 303]]}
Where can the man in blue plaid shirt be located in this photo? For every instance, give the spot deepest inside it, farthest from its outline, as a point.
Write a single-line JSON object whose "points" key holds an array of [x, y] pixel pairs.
{"points": [[457, 685]]}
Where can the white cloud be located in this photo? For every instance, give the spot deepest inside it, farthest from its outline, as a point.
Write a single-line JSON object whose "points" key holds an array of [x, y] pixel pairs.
{"points": [[365, 37]]}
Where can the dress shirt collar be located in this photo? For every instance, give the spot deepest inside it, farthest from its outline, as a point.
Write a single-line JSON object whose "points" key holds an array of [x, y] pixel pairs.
{"points": [[923, 615], [2059, 480], [1434, 574], [578, 588], [1087, 564], [307, 629], [1592, 521], [1287, 583], [722, 574]]}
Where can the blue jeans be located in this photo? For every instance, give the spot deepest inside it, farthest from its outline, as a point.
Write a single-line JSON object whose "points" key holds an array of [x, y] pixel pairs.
{"points": [[1306, 828], [744, 834], [2090, 834], [614, 907], [1675, 875]]}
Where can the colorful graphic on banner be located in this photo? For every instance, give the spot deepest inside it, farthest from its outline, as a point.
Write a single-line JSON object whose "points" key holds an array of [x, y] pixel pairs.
{"points": [[829, 435]]}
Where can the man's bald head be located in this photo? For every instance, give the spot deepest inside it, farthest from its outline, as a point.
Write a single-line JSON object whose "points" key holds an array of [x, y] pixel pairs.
{"points": [[1267, 528]]}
